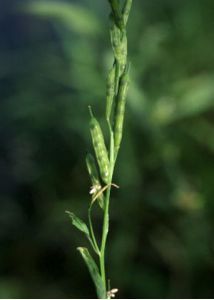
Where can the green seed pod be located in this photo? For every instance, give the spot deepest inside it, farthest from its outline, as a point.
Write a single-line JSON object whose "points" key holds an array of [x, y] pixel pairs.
{"points": [[126, 10], [92, 170], [119, 45], [120, 109], [115, 7], [110, 92], [100, 149]]}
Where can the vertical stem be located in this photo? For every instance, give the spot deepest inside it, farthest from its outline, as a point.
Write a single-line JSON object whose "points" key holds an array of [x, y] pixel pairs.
{"points": [[106, 212], [120, 19]]}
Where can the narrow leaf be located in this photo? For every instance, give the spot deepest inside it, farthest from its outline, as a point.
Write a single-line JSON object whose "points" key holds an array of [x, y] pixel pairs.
{"points": [[78, 223], [94, 272]]}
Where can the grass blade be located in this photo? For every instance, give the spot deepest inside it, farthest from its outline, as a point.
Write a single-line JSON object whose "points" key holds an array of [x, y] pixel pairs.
{"points": [[94, 272]]}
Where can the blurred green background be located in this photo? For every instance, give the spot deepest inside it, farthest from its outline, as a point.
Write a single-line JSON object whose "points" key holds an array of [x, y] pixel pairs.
{"points": [[54, 57]]}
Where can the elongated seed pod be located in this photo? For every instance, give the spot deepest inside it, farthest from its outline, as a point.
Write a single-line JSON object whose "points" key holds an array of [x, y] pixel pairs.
{"points": [[119, 46], [93, 173], [100, 149], [120, 109], [115, 6], [126, 10], [110, 92], [92, 169]]}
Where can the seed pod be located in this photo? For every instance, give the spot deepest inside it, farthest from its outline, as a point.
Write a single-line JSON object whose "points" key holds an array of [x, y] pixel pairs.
{"points": [[120, 109], [115, 7], [126, 10], [100, 149], [92, 170], [119, 46], [110, 92]]}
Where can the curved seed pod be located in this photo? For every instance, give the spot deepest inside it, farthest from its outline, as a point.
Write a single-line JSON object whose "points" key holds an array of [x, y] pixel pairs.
{"points": [[110, 92], [100, 149], [120, 109], [92, 170]]}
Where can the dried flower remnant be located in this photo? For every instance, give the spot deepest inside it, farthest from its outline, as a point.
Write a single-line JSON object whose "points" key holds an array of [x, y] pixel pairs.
{"points": [[111, 293]]}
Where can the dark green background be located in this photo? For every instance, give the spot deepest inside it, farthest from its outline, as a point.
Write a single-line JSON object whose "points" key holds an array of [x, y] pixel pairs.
{"points": [[53, 63]]}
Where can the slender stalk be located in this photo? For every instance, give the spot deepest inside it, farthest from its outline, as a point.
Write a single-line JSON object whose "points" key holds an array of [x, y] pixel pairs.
{"points": [[117, 84], [120, 53], [106, 210], [95, 245]]}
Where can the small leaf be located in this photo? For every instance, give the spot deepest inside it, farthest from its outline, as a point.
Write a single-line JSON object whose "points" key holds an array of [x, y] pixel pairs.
{"points": [[94, 272], [78, 223]]}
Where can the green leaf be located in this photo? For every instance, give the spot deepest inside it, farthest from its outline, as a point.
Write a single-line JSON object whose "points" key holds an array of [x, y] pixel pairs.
{"points": [[79, 224], [94, 272]]}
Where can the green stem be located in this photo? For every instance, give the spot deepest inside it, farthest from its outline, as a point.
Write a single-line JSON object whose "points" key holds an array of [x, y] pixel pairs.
{"points": [[95, 246], [106, 210]]}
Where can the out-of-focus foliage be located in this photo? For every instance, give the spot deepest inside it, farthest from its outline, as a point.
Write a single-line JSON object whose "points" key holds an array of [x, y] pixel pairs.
{"points": [[54, 58], [72, 16]]}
